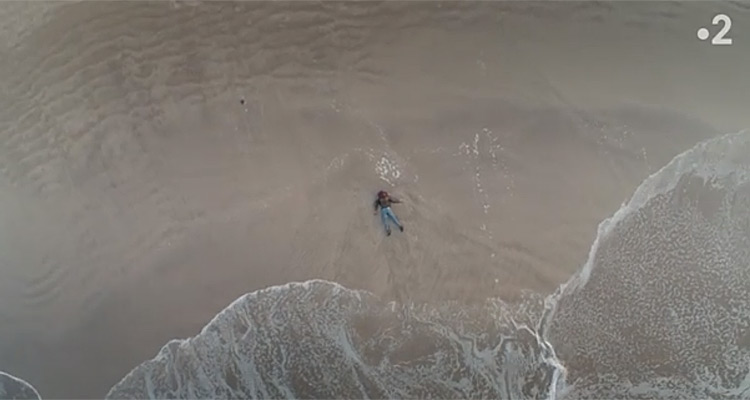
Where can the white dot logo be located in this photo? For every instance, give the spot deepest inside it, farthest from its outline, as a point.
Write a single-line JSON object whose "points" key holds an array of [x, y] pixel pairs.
{"points": [[703, 33]]}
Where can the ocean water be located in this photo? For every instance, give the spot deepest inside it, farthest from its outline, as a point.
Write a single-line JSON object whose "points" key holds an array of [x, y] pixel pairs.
{"points": [[659, 310]]}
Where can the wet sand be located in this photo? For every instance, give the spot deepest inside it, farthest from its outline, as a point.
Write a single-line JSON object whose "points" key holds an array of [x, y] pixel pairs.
{"points": [[159, 160]]}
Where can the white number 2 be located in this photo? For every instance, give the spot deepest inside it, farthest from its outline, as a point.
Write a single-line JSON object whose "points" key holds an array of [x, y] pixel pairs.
{"points": [[719, 39]]}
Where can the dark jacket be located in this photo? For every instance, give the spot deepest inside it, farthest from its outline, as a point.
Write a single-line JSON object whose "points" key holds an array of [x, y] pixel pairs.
{"points": [[385, 202]]}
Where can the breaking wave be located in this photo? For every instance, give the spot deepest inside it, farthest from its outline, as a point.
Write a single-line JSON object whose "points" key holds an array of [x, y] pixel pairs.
{"points": [[318, 339], [661, 309]]}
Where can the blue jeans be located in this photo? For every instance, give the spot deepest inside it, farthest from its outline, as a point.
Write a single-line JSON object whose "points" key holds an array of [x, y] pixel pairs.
{"points": [[385, 214]]}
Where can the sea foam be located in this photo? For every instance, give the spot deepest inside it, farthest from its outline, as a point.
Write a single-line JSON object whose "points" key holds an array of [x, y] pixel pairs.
{"points": [[662, 306], [318, 339]]}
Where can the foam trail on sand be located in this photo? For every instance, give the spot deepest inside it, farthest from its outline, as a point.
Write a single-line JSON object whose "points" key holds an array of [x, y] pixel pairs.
{"points": [[320, 340], [661, 308]]}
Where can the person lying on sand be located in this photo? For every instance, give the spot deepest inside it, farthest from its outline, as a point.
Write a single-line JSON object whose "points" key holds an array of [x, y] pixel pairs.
{"points": [[384, 201]]}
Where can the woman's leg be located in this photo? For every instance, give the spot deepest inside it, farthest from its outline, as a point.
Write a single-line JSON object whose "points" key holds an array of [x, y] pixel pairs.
{"points": [[393, 218], [384, 219]]}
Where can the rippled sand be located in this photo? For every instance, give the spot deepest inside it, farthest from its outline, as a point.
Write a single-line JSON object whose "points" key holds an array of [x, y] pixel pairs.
{"points": [[160, 159]]}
